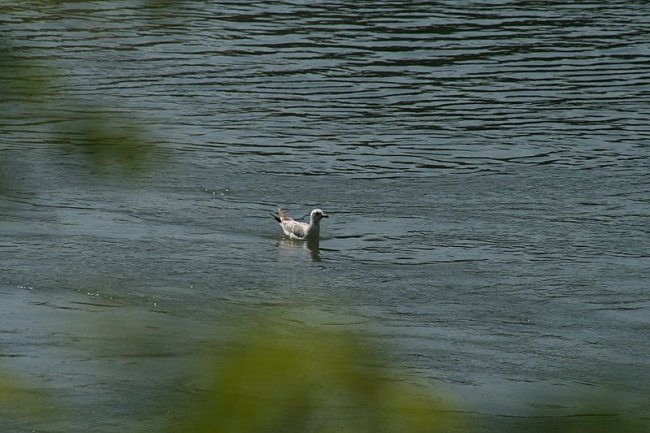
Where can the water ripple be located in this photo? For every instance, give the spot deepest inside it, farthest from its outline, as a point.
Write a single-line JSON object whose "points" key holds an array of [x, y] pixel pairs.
{"points": [[349, 78]]}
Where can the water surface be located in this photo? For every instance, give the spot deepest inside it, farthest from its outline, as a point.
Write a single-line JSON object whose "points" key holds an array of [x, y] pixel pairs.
{"points": [[485, 165]]}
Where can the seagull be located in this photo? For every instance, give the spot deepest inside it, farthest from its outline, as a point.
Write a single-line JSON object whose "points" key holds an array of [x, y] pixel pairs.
{"points": [[298, 229]]}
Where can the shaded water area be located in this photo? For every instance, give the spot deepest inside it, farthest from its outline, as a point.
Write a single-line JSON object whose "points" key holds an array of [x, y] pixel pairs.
{"points": [[485, 166]]}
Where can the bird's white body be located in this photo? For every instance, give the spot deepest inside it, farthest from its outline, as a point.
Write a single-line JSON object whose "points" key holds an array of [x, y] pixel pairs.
{"points": [[298, 229]]}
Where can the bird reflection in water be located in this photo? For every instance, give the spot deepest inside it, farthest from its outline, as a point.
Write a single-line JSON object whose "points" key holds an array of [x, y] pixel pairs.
{"points": [[292, 245]]}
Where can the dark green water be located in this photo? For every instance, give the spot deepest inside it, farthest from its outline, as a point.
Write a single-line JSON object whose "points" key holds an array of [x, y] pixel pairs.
{"points": [[485, 165]]}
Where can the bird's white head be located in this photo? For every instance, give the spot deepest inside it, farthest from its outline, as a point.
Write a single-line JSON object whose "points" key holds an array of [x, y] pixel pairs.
{"points": [[317, 215]]}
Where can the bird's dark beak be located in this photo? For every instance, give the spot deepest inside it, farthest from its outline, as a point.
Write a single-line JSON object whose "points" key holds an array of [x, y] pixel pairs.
{"points": [[325, 215]]}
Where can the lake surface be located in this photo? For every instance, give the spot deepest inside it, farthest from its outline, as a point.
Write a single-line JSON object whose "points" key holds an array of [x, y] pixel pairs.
{"points": [[485, 166]]}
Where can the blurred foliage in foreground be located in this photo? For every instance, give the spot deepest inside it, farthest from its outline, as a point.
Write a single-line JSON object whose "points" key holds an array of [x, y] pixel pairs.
{"points": [[303, 380], [20, 403], [290, 379], [110, 138]]}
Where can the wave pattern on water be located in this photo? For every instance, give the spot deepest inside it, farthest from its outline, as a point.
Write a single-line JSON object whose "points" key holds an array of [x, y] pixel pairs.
{"points": [[366, 88]]}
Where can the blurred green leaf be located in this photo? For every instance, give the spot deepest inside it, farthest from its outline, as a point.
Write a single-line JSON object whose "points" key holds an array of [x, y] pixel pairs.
{"points": [[112, 145], [305, 380], [20, 78], [20, 403]]}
